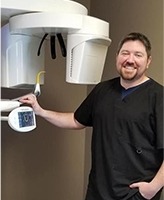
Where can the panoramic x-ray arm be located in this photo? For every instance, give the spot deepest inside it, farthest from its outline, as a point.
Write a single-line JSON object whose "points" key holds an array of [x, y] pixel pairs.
{"points": [[20, 118]]}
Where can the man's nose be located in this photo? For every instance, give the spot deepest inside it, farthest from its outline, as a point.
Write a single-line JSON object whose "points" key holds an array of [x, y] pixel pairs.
{"points": [[130, 58]]}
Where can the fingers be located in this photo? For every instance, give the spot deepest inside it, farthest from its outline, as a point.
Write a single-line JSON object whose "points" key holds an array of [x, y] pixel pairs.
{"points": [[29, 99], [134, 185]]}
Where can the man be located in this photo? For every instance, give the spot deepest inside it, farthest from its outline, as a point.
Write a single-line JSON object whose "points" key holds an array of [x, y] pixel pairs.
{"points": [[126, 114]]}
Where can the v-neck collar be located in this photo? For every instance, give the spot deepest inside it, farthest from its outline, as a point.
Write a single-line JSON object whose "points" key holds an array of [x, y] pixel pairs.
{"points": [[126, 92]]}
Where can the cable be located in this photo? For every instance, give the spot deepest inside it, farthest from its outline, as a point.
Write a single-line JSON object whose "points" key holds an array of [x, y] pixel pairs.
{"points": [[53, 47], [37, 90], [39, 49], [62, 45], [38, 76]]}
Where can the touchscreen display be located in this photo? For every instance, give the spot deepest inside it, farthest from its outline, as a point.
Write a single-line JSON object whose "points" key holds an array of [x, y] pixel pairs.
{"points": [[26, 119]]}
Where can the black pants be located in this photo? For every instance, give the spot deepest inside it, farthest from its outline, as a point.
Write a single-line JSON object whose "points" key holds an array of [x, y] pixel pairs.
{"points": [[138, 196]]}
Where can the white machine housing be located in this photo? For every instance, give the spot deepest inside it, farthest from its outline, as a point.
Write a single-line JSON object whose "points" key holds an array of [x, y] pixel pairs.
{"points": [[19, 61], [87, 38]]}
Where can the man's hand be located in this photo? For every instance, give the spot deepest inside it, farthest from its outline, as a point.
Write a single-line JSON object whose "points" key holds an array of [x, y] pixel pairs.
{"points": [[147, 190], [31, 100]]}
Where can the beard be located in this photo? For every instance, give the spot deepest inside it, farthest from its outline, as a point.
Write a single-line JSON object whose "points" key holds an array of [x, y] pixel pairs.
{"points": [[128, 74]]}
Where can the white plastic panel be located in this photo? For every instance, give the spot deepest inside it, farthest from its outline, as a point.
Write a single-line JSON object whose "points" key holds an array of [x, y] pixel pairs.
{"points": [[11, 8], [19, 61], [86, 58], [45, 22]]}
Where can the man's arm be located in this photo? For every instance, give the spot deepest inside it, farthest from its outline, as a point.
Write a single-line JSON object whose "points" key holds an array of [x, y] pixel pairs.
{"points": [[59, 119], [62, 120], [149, 190]]}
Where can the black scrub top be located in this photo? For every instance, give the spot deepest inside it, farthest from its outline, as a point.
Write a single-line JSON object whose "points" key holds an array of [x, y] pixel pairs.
{"points": [[127, 139]]}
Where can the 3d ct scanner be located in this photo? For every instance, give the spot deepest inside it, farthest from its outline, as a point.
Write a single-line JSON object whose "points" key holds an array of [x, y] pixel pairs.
{"points": [[83, 39]]}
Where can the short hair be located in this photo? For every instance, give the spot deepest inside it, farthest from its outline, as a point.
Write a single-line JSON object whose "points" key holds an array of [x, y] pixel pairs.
{"points": [[136, 36]]}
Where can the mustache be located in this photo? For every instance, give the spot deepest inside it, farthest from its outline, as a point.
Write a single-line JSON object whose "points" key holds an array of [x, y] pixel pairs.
{"points": [[129, 64]]}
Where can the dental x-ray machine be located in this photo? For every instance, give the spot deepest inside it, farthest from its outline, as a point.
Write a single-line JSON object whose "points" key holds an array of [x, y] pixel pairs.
{"points": [[26, 25]]}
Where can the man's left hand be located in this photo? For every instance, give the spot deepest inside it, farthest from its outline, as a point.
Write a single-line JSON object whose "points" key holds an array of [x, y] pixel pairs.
{"points": [[145, 189]]}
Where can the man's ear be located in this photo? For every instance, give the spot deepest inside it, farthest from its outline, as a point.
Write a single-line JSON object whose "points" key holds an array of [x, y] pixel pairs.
{"points": [[149, 61]]}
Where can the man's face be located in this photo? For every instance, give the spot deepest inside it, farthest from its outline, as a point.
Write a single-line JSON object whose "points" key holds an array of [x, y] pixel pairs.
{"points": [[132, 60]]}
